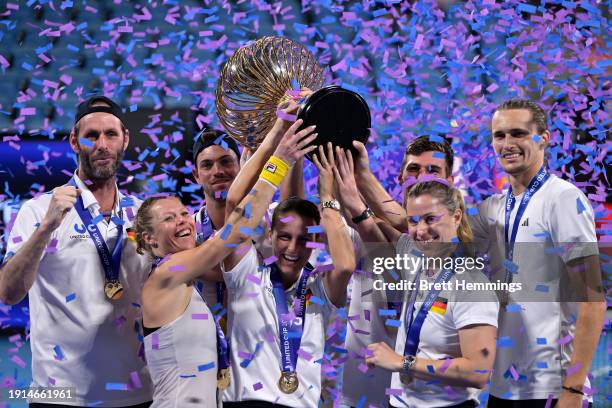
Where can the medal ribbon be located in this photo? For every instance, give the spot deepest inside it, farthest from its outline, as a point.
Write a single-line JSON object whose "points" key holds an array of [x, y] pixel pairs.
{"points": [[206, 227], [534, 185], [205, 230], [110, 262], [290, 334], [413, 328]]}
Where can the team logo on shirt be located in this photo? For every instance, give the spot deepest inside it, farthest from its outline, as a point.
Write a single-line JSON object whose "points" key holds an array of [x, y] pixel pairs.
{"points": [[525, 223], [439, 306], [81, 232]]}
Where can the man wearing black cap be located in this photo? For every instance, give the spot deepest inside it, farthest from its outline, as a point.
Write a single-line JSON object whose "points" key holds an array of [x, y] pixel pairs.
{"points": [[68, 250]]}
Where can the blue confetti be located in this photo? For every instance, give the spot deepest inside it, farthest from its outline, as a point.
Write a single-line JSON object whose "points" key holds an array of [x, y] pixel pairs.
{"points": [[513, 308], [207, 366], [314, 229], [70, 297], [510, 266], [316, 300], [541, 340], [527, 8], [86, 142], [116, 387], [387, 312], [393, 322], [579, 206], [505, 342], [227, 229], [59, 355]]}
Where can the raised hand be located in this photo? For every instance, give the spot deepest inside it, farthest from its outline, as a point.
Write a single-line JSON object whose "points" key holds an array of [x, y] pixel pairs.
{"points": [[348, 194], [294, 146], [62, 201], [325, 164], [362, 161]]}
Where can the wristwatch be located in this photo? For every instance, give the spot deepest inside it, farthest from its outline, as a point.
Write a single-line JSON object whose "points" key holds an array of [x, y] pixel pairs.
{"points": [[333, 204], [409, 362], [367, 213]]}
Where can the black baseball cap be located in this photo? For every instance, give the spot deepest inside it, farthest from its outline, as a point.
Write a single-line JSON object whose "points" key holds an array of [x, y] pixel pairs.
{"points": [[209, 137], [85, 108]]}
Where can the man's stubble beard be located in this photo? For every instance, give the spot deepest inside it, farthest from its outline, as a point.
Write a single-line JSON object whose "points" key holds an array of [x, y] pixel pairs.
{"points": [[99, 173]]}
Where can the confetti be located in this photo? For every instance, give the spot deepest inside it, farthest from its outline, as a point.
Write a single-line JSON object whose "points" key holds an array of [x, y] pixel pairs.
{"points": [[206, 366], [117, 387]]}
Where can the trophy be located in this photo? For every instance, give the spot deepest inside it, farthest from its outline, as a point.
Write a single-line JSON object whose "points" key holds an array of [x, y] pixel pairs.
{"points": [[257, 78]]}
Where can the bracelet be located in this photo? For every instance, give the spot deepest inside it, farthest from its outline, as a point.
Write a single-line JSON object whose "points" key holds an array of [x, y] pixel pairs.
{"points": [[274, 170], [367, 213], [573, 390]]}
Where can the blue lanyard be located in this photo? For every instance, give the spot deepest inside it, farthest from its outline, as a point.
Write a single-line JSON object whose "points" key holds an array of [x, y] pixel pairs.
{"points": [[205, 227], [205, 230], [413, 328], [289, 331], [110, 262], [534, 185]]}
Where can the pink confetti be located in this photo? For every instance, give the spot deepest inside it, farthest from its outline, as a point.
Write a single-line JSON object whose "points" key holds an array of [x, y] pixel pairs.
{"points": [[155, 341], [253, 278], [514, 373], [135, 380], [565, 339], [287, 219], [315, 245], [270, 260], [17, 360], [199, 316]]}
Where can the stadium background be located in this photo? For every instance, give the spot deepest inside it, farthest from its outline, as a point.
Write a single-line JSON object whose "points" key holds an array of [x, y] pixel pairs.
{"points": [[433, 68]]}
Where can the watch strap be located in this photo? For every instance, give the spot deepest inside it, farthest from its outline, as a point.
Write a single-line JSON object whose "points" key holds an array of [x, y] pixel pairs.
{"points": [[367, 213]]}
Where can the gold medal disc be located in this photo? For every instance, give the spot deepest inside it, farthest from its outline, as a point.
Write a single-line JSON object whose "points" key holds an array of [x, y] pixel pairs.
{"points": [[223, 378], [113, 290], [288, 383]]}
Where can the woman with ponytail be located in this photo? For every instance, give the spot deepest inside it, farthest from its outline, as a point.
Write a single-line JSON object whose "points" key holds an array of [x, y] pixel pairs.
{"points": [[445, 347]]}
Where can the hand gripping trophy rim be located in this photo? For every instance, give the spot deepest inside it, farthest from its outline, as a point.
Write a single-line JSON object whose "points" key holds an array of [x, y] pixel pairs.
{"points": [[255, 80]]}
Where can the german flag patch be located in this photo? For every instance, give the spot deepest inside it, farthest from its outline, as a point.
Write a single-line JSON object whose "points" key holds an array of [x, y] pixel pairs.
{"points": [[439, 306], [131, 235], [308, 296]]}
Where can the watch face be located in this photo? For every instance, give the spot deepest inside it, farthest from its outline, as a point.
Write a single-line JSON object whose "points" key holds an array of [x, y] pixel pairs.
{"points": [[332, 204]]}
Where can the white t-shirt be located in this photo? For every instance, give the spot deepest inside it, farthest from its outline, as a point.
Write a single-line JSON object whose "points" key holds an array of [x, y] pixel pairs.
{"points": [[361, 384], [439, 337], [254, 340], [78, 337], [534, 350]]}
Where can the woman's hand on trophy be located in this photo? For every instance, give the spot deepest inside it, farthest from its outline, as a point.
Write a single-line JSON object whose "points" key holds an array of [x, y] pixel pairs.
{"points": [[344, 176], [325, 164], [245, 156], [294, 146], [362, 161]]}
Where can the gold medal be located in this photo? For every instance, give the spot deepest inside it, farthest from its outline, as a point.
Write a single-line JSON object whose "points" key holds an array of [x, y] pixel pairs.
{"points": [[223, 378], [288, 383], [113, 290]]}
